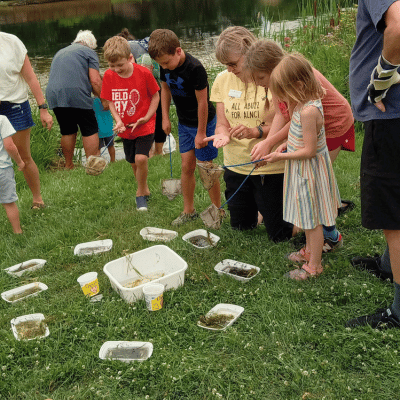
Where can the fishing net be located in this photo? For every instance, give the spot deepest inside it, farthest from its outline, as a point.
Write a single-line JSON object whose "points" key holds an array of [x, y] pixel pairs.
{"points": [[212, 217], [171, 188], [209, 173], [95, 165]]}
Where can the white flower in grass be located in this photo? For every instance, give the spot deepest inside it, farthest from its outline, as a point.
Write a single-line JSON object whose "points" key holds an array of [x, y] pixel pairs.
{"points": [[10, 356], [147, 396], [286, 383]]}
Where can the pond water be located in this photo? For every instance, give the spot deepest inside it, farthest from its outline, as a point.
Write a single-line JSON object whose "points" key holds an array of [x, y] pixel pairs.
{"points": [[46, 28]]}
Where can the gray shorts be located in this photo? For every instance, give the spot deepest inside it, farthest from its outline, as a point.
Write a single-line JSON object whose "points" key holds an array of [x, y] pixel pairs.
{"points": [[8, 192]]}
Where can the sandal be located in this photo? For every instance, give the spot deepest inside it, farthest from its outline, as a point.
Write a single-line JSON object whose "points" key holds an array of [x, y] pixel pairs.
{"points": [[298, 257], [348, 205], [303, 273], [38, 206]]}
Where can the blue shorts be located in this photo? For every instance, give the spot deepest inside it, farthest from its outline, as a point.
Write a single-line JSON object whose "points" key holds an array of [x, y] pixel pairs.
{"points": [[106, 141], [187, 135], [19, 115], [8, 192]]}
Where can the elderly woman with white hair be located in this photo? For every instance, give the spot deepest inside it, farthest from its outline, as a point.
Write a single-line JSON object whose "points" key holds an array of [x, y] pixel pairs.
{"points": [[74, 75], [16, 75]]}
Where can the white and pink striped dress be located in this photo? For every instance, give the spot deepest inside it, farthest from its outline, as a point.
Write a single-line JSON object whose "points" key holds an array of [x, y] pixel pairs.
{"points": [[310, 193]]}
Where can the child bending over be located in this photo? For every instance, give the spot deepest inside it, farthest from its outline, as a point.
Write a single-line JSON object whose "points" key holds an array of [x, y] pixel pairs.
{"points": [[8, 194], [133, 97], [311, 196]]}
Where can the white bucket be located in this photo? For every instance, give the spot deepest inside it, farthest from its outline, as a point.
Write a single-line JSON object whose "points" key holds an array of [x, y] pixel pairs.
{"points": [[89, 284], [153, 294]]}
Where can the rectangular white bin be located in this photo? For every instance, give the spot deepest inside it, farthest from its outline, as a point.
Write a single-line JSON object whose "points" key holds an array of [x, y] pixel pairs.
{"points": [[151, 261]]}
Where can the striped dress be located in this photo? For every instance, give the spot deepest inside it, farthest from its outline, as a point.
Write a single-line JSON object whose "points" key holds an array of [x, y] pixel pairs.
{"points": [[310, 193]]}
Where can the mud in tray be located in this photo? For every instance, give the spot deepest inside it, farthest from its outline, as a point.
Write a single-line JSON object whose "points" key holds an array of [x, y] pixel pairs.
{"points": [[126, 351], [90, 248], [220, 317], [237, 270], [26, 266], [29, 327], [23, 292], [201, 239]]}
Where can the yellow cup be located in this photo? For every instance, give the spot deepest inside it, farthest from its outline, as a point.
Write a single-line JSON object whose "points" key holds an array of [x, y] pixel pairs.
{"points": [[89, 284]]}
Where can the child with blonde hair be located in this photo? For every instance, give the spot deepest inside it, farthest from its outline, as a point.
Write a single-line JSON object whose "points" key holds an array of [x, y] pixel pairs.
{"points": [[311, 196]]}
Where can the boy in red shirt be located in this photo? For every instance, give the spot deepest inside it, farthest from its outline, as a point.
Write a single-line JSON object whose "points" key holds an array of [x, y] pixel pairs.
{"points": [[133, 98]]}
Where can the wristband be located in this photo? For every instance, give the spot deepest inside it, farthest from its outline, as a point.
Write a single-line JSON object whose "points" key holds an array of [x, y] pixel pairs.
{"points": [[260, 130], [383, 77]]}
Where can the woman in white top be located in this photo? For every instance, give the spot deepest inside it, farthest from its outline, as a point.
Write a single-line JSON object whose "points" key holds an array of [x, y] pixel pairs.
{"points": [[16, 75]]}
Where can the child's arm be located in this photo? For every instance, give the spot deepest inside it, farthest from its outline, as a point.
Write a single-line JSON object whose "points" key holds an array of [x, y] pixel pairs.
{"points": [[202, 116], [12, 150], [151, 111], [311, 122], [165, 105], [278, 132], [119, 125]]}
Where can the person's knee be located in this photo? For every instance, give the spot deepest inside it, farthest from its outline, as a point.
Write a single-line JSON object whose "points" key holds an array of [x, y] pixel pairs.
{"points": [[141, 160]]}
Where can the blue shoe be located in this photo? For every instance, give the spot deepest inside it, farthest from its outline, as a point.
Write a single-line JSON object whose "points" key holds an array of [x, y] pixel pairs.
{"points": [[141, 203]]}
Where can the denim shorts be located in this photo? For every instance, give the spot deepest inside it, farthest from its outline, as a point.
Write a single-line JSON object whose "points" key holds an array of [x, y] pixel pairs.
{"points": [[8, 192], [19, 115], [187, 135]]}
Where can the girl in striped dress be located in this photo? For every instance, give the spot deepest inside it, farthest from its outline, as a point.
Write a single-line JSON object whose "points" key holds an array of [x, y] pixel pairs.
{"points": [[311, 196]]}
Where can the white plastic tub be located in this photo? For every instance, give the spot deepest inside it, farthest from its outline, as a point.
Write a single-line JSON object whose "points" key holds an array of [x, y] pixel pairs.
{"points": [[90, 248], [7, 296], [223, 268], [201, 232], [126, 351], [25, 318], [28, 266], [225, 309], [158, 263], [157, 234]]}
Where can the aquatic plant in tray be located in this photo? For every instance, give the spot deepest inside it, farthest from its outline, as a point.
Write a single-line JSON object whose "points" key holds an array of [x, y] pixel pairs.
{"points": [[237, 270], [220, 317], [23, 292], [28, 327]]}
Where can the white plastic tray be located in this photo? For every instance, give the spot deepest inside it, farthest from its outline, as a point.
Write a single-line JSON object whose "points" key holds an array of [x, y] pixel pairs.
{"points": [[201, 232], [6, 295], [157, 234], [223, 308], [90, 248], [149, 262], [28, 317], [223, 268], [36, 262], [135, 351]]}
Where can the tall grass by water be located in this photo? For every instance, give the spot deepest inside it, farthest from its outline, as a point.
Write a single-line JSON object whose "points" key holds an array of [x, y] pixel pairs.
{"points": [[290, 341]]}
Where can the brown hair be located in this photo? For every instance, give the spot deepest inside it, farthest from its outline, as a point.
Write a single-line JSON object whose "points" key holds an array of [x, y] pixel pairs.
{"points": [[294, 78], [126, 34], [115, 48], [234, 39], [163, 41], [263, 56]]}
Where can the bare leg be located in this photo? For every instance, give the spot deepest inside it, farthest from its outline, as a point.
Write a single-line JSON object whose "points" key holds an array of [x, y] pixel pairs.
{"points": [[111, 152], [188, 180], [334, 153], [68, 146], [215, 194], [315, 242], [13, 216], [22, 139], [393, 239], [140, 171], [158, 149], [91, 145]]}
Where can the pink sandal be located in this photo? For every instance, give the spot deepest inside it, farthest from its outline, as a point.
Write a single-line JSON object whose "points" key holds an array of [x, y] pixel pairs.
{"points": [[303, 273], [301, 256]]}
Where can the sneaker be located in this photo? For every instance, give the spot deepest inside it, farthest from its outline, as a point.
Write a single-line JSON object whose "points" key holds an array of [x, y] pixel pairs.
{"points": [[183, 218], [382, 319], [141, 203], [348, 206], [330, 245], [372, 265]]}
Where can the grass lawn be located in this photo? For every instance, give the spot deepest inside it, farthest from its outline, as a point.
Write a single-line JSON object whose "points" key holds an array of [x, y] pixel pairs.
{"points": [[289, 343]]}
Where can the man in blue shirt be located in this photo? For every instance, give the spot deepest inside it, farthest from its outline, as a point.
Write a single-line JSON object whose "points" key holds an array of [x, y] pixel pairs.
{"points": [[375, 97]]}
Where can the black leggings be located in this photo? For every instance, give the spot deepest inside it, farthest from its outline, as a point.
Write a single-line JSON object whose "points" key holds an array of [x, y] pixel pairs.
{"points": [[262, 193]]}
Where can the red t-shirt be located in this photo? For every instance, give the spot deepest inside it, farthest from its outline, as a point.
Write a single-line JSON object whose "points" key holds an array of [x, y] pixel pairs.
{"points": [[131, 97]]}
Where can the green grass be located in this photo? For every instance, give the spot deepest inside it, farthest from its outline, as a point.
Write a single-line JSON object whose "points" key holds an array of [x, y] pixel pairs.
{"points": [[289, 343]]}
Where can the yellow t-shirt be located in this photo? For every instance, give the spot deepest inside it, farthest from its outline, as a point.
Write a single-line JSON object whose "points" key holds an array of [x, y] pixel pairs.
{"points": [[243, 106]]}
